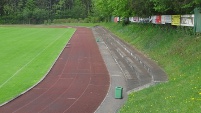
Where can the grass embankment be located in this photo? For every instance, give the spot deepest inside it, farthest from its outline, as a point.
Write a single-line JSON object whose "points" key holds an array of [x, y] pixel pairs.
{"points": [[26, 55], [179, 54]]}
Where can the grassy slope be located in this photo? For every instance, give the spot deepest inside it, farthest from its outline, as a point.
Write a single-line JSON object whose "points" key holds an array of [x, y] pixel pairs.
{"points": [[179, 55], [26, 54]]}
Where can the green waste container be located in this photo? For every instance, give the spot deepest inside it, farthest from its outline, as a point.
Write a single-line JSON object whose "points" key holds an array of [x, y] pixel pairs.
{"points": [[118, 92], [97, 40]]}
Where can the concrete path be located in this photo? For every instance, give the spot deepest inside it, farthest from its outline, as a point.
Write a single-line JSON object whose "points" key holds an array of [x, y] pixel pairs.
{"points": [[110, 104]]}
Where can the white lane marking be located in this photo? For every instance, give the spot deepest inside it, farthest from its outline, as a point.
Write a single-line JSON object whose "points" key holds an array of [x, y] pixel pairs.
{"points": [[31, 60], [115, 75]]}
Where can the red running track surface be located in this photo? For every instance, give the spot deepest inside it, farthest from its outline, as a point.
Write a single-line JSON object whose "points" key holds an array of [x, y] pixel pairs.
{"points": [[77, 83]]}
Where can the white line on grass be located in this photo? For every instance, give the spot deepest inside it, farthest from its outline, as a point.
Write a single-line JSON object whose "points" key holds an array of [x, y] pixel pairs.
{"points": [[31, 60]]}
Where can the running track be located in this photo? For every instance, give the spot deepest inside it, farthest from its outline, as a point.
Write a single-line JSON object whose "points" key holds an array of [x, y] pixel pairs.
{"points": [[77, 83]]}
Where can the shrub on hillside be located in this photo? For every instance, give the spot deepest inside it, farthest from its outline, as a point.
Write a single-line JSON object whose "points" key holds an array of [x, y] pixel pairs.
{"points": [[71, 20], [86, 20]]}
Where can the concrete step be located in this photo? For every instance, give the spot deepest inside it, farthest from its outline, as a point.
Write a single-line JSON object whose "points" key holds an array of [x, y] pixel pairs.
{"points": [[138, 69]]}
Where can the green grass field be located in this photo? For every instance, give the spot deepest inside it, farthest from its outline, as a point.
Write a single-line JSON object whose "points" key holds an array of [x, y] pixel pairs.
{"points": [[26, 55], [179, 54]]}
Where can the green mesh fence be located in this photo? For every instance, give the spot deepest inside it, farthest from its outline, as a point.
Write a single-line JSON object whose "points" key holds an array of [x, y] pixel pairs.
{"points": [[197, 20], [112, 19]]}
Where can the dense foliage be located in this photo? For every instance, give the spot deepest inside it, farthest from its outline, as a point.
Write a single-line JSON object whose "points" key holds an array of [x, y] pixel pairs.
{"points": [[36, 11], [143, 8]]}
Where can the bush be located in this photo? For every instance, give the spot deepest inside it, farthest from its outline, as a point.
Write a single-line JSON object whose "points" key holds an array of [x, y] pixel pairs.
{"points": [[125, 21], [86, 20], [46, 22], [68, 20], [95, 19], [72, 20]]}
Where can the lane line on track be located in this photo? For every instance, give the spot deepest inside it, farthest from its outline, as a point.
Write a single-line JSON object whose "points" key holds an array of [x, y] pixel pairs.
{"points": [[47, 89], [30, 61], [58, 97]]}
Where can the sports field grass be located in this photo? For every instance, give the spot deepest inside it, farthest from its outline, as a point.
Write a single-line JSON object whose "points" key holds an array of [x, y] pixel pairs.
{"points": [[26, 55]]}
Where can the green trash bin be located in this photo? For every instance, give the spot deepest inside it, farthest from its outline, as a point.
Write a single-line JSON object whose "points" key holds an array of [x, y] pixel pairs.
{"points": [[97, 40], [118, 92]]}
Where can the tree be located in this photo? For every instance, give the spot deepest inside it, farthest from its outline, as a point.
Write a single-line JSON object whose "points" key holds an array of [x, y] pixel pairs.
{"points": [[2, 3], [121, 8], [163, 6], [198, 3], [40, 15], [171, 6], [143, 8], [102, 9], [28, 10], [35, 11], [78, 10], [88, 5]]}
